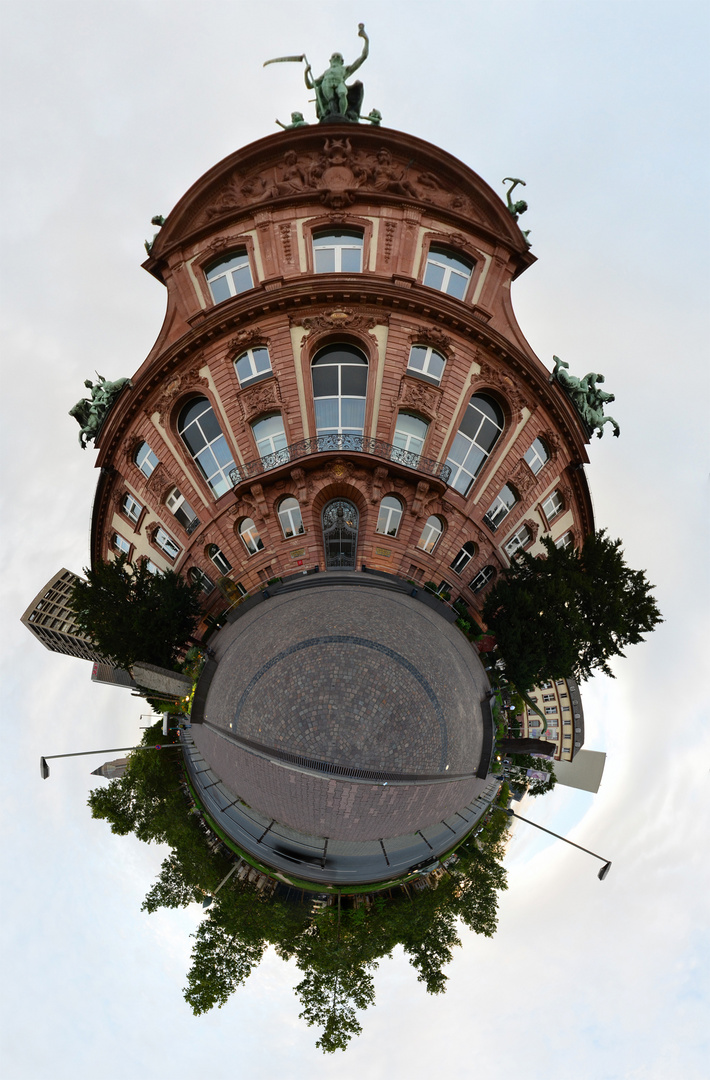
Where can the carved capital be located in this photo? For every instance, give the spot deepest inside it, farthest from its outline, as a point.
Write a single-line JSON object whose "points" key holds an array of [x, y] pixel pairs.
{"points": [[245, 339], [379, 478], [522, 477], [418, 501], [257, 492], [340, 319]]}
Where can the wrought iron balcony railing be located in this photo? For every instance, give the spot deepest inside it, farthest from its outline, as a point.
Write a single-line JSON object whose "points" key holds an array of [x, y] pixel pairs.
{"points": [[359, 444]]}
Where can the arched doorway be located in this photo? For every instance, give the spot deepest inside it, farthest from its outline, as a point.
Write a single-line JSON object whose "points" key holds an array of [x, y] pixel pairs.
{"points": [[340, 521]]}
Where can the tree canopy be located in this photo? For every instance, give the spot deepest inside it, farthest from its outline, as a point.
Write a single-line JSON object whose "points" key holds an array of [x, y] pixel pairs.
{"points": [[566, 614], [132, 615]]}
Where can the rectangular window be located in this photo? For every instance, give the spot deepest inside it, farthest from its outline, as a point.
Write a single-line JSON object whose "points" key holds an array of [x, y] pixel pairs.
{"points": [[338, 252], [550, 710], [270, 439], [131, 508], [252, 365], [121, 544], [166, 544], [553, 505], [501, 507]]}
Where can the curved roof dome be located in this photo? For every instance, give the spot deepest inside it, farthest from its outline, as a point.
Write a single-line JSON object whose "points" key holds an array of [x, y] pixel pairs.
{"points": [[345, 682]]}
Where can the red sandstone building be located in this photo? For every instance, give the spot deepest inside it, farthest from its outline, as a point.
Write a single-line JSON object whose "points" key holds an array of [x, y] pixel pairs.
{"points": [[340, 380]]}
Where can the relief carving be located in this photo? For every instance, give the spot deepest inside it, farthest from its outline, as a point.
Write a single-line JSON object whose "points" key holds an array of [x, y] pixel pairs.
{"points": [[419, 497], [245, 339], [261, 398], [379, 478], [257, 492], [336, 173], [341, 319], [522, 477], [390, 230], [431, 335], [173, 387], [493, 377], [415, 394]]}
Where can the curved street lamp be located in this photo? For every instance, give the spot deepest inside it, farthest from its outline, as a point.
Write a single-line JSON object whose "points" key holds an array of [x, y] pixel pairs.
{"points": [[44, 767], [607, 864]]}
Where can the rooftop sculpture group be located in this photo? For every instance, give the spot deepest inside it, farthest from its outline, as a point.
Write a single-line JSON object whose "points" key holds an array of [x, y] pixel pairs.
{"points": [[586, 396], [90, 413], [335, 100]]}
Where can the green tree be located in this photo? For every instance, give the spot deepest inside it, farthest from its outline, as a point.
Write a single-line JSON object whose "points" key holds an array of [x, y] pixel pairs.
{"points": [[568, 613], [221, 962], [134, 615]]}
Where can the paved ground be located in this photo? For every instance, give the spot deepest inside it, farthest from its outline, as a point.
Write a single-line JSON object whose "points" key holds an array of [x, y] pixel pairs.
{"points": [[354, 677]]}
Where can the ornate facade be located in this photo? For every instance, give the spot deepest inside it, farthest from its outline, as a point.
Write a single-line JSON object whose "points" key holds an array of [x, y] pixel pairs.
{"points": [[339, 332]]}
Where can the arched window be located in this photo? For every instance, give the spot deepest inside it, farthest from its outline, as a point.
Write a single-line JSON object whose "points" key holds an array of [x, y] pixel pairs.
{"points": [[501, 507], [339, 390], [338, 252], [519, 540], [252, 365], [178, 505], [290, 517], [202, 435], [447, 271], [270, 439], [131, 508], [166, 544], [409, 435], [250, 536], [390, 516], [431, 534], [553, 505], [426, 363], [480, 430], [230, 275], [464, 557], [145, 459], [537, 456], [482, 578], [199, 577], [219, 559]]}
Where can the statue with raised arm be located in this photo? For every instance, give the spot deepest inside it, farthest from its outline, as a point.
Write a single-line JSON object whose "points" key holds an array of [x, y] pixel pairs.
{"points": [[335, 100], [90, 413], [586, 396]]}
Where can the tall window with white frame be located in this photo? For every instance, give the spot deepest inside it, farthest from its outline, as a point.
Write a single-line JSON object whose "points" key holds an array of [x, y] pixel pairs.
{"points": [[501, 507], [338, 252], [131, 508], [426, 363], [230, 276], [447, 271], [121, 544], [431, 534], [537, 456], [145, 459], [250, 536], [482, 578], [270, 439], [553, 506], [290, 517], [165, 543], [199, 577], [200, 431], [390, 516], [519, 540], [463, 558], [480, 430], [180, 508], [219, 559], [253, 365], [408, 439], [339, 375]]}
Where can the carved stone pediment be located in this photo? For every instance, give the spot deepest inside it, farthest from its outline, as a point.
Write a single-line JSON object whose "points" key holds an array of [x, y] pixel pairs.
{"points": [[245, 339], [431, 335], [418, 395], [261, 398], [490, 376], [522, 477], [339, 319], [174, 386]]}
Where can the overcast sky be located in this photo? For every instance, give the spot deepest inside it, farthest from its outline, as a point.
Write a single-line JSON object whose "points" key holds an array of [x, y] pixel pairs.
{"points": [[111, 110]]}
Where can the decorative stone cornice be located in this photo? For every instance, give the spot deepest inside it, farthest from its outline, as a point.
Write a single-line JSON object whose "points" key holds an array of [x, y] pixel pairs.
{"points": [[263, 397], [418, 395], [174, 386]]}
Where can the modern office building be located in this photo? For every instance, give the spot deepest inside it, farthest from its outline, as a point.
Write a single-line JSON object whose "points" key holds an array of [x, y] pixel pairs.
{"points": [[52, 621]]}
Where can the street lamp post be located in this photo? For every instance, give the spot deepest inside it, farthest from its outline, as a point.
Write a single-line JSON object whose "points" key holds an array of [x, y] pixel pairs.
{"points": [[210, 897], [607, 864], [44, 767]]}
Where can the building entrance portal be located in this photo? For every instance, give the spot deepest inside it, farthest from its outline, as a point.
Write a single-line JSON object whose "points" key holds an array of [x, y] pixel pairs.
{"points": [[340, 520]]}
